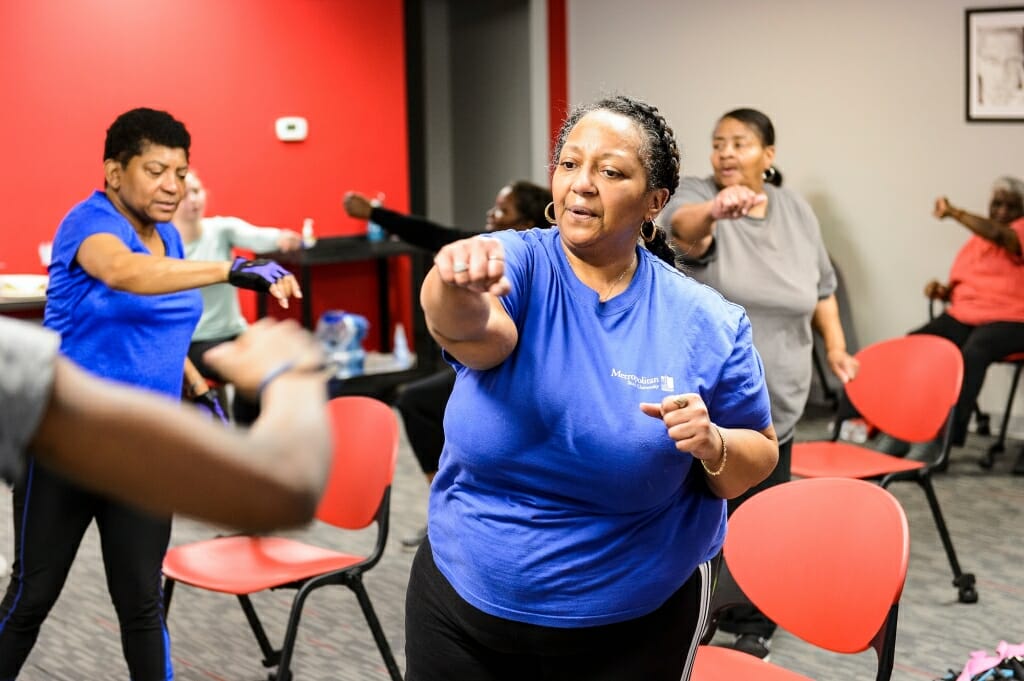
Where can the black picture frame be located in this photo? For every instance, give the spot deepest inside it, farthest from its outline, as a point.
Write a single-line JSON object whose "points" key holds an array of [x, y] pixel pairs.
{"points": [[994, 86]]}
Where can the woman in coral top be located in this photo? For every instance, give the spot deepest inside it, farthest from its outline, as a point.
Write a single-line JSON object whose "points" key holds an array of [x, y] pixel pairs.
{"points": [[985, 293]]}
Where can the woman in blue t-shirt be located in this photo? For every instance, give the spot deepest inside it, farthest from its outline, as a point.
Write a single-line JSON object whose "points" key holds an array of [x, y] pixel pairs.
{"points": [[124, 303], [605, 405]]}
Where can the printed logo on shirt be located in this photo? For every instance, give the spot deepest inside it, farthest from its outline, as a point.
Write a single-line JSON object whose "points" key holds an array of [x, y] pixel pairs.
{"points": [[663, 383]]}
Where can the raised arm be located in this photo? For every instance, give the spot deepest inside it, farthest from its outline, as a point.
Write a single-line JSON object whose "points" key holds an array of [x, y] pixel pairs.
{"points": [[461, 306], [1000, 234], [693, 224], [108, 259], [417, 231], [165, 457]]}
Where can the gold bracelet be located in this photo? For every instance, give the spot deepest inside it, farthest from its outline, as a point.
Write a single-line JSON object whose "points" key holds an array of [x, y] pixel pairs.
{"points": [[725, 454]]}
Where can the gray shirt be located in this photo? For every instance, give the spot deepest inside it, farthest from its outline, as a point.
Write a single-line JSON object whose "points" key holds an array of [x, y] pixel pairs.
{"points": [[27, 355], [778, 269]]}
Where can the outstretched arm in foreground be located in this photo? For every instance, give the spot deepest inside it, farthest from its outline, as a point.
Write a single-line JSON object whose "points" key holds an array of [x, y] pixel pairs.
{"points": [[165, 457]]}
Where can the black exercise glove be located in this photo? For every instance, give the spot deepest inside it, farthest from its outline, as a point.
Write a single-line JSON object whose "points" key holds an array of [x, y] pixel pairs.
{"points": [[210, 405], [258, 275]]}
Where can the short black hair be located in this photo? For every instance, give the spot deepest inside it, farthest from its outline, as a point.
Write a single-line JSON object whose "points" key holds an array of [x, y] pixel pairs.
{"points": [[133, 130]]}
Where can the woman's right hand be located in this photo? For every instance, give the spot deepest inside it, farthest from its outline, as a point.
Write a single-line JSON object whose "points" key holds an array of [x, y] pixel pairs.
{"points": [[357, 205], [942, 208], [735, 202], [476, 264], [266, 345], [936, 290]]}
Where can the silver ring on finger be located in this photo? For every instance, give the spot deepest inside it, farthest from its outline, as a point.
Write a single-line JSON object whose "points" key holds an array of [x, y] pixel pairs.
{"points": [[459, 267]]}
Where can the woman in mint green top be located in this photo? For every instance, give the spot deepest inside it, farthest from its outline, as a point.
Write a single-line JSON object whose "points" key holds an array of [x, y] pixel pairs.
{"points": [[213, 239]]}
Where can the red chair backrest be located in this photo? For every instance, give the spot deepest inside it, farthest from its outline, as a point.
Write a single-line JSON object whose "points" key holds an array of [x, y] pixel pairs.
{"points": [[906, 386], [825, 558], [363, 465]]}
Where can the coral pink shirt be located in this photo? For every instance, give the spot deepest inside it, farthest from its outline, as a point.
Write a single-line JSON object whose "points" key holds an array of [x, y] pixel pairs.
{"points": [[988, 282]]}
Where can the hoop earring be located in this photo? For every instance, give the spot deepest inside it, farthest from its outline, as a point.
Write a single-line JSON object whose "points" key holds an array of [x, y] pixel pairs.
{"points": [[769, 174], [654, 231], [550, 208]]}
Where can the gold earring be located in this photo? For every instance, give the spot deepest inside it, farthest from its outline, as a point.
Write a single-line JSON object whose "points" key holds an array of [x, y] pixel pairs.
{"points": [[654, 231], [550, 208]]}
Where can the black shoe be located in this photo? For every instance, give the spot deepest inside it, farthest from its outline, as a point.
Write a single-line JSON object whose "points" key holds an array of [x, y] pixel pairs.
{"points": [[752, 644], [416, 539]]}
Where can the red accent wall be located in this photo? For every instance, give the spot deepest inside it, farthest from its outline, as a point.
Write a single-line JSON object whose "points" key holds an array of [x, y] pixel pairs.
{"points": [[228, 69], [558, 67]]}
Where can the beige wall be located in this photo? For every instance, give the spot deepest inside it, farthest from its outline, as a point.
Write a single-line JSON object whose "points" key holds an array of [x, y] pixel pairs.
{"points": [[867, 99]]}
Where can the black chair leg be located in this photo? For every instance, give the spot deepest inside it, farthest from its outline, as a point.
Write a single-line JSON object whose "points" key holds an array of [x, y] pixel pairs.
{"points": [[271, 657], [999, 446], [356, 585], [964, 582]]}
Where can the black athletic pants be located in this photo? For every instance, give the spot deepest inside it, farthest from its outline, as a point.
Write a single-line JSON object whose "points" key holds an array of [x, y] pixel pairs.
{"points": [[51, 516], [447, 639]]}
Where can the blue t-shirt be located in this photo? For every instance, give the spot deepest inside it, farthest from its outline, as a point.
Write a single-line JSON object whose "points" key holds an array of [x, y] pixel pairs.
{"points": [[558, 502], [136, 339]]}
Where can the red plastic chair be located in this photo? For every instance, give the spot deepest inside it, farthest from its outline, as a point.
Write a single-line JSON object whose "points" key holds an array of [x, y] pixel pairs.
{"points": [[357, 494], [907, 387], [826, 559]]}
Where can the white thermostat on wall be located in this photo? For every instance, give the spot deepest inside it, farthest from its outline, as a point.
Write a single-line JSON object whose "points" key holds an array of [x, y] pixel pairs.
{"points": [[291, 128]]}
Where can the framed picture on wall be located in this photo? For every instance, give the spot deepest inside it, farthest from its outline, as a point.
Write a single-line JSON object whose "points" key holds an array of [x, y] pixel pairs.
{"points": [[995, 64]]}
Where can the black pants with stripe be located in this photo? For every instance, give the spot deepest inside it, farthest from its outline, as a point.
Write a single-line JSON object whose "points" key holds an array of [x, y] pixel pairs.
{"points": [[51, 516], [447, 639]]}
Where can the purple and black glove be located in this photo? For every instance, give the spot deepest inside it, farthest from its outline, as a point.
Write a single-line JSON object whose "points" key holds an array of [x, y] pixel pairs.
{"points": [[258, 275], [210, 405]]}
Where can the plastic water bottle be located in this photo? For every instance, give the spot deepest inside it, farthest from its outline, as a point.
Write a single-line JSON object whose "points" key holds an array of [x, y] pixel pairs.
{"points": [[341, 334], [375, 232], [308, 238], [400, 348]]}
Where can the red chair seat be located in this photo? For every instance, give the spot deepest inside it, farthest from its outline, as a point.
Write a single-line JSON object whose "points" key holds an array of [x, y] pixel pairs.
{"points": [[714, 663], [245, 565], [844, 460]]}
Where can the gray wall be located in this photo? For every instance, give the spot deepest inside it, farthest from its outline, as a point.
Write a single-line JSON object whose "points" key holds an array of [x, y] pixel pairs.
{"points": [[868, 102], [481, 85]]}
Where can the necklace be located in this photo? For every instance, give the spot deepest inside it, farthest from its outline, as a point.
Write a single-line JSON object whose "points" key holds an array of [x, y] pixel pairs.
{"points": [[604, 298]]}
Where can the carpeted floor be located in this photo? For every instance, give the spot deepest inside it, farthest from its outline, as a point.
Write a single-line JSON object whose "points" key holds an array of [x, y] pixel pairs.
{"points": [[211, 640]]}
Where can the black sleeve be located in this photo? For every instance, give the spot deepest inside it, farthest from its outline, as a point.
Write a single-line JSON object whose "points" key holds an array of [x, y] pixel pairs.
{"points": [[417, 231]]}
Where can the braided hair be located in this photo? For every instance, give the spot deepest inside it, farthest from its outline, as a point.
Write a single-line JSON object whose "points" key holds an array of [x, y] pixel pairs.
{"points": [[659, 152]]}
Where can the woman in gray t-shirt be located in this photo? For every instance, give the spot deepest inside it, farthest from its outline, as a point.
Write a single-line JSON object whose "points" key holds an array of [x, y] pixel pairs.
{"points": [[760, 246]]}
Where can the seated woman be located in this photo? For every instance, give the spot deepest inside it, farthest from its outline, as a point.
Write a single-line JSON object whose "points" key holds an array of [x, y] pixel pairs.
{"points": [[984, 315]]}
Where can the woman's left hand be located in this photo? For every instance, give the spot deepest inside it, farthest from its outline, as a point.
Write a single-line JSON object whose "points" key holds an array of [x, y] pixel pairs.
{"points": [[476, 264], [844, 365], [688, 423]]}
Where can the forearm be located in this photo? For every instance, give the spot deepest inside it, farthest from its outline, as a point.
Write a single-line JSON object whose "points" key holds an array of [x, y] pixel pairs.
{"points": [[998, 233], [472, 327], [827, 323], [417, 231], [164, 457], [751, 456], [153, 275], [194, 382], [692, 228]]}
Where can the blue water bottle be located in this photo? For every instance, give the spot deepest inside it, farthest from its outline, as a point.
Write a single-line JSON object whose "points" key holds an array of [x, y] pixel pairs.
{"points": [[341, 334], [375, 232]]}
